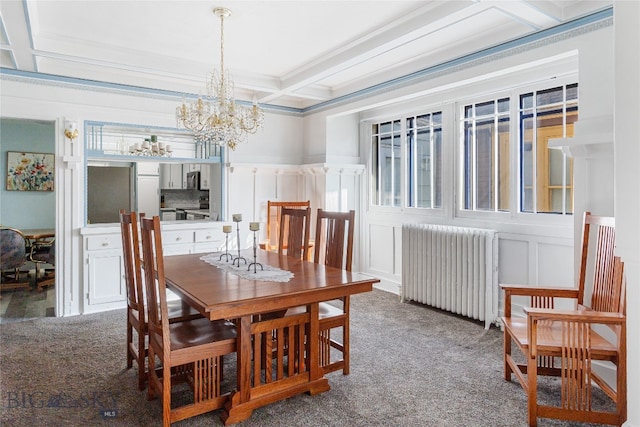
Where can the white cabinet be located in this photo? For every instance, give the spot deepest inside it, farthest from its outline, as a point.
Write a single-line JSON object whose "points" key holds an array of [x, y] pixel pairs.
{"points": [[172, 176], [104, 273], [104, 282], [148, 195], [148, 168], [205, 177]]}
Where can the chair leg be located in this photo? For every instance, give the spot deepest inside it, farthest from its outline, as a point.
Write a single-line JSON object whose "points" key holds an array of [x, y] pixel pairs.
{"points": [[142, 355], [532, 392], [129, 344], [507, 354], [345, 345]]}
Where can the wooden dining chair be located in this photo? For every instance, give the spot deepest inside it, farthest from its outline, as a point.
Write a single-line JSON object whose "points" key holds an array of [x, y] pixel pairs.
{"points": [[183, 352], [274, 210], [333, 247], [295, 241], [136, 304], [539, 335]]}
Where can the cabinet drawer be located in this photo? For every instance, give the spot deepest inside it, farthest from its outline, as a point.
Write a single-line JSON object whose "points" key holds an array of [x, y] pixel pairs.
{"points": [[208, 236], [177, 237], [113, 241]]}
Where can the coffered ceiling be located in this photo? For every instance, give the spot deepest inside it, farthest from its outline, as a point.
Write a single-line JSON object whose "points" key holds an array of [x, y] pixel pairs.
{"points": [[285, 53]]}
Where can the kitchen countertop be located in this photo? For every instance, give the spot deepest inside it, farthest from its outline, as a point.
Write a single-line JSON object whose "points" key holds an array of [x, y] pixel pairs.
{"points": [[204, 212]]}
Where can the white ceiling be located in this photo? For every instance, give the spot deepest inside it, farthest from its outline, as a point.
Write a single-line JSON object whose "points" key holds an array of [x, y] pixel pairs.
{"points": [[287, 53]]}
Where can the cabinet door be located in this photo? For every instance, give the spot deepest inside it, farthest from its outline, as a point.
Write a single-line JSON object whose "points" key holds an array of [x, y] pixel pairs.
{"points": [[171, 176], [205, 177], [148, 195], [106, 283], [148, 168], [178, 179]]}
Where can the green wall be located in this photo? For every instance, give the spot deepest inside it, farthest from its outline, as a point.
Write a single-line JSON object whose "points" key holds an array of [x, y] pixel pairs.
{"points": [[26, 209]]}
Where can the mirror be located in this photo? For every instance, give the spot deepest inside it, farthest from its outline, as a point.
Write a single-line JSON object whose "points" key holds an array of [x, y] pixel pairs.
{"points": [[170, 182]]}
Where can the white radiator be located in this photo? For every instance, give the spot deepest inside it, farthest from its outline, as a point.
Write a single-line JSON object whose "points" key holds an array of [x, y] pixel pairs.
{"points": [[451, 268]]}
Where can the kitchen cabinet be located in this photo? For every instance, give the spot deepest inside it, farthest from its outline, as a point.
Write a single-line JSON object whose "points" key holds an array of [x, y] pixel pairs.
{"points": [[104, 282], [172, 176], [148, 195], [104, 272], [205, 177]]}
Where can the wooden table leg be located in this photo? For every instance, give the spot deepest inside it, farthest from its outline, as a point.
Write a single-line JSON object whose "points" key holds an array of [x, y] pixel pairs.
{"points": [[234, 411]]}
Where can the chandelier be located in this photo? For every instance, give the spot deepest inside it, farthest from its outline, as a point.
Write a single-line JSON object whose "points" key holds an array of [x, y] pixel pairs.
{"points": [[216, 119]]}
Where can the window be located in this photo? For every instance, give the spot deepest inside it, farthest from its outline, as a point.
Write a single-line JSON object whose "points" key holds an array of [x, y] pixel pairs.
{"points": [[546, 176], [424, 158], [386, 151], [485, 156]]}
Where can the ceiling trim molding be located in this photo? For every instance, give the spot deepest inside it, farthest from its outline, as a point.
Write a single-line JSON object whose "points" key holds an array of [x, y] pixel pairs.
{"points": [[577, 27]]}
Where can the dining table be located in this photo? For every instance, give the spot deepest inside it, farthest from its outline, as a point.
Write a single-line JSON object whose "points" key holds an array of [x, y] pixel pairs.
{"points": [[277, 355], [33, 234]]}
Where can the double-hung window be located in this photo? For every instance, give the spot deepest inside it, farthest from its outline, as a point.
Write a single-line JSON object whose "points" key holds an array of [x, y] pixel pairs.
{"points": [[485, 156], [424, 160], [546, 176], [386, 163]]}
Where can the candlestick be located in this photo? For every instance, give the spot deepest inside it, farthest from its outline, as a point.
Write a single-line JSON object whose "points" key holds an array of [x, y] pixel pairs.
{"points": [[237, 218], [254, 226], [227, 229], [255, 263]]}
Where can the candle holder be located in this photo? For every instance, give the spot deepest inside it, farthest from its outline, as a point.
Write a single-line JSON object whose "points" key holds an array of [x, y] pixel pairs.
{"points": [[255, 227], [226, 229], [237, 218]]}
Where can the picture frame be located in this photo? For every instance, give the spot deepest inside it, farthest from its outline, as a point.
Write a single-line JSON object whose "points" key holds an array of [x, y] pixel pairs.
{"points": [[30, 171]]}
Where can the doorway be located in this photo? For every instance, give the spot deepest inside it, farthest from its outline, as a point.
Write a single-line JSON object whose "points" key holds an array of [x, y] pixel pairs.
{"points": [[27, 209]]}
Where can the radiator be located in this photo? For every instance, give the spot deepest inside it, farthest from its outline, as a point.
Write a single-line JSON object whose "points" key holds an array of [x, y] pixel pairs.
{"points": [[451, 268]]}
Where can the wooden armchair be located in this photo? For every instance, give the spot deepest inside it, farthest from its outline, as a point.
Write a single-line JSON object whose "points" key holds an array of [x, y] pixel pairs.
{"points": [[551, 340]]}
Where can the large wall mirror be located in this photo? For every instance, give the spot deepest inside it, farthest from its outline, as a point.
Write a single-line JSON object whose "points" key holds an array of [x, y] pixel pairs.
{"points": [[158, 171]]}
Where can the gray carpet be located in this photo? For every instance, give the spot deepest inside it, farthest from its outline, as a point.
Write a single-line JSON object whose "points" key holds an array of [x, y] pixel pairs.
{"points": [[411, 366]]}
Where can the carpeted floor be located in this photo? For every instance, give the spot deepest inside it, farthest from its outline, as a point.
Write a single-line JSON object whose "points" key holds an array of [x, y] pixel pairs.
{"points": [[411, 366]]}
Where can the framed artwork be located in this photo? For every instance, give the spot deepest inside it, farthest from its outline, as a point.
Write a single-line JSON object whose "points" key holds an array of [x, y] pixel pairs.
{"points": [[30, 171]]}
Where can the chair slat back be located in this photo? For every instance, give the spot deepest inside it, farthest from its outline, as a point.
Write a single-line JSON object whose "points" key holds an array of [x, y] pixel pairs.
{"points": [[132, 263], [334, 239], [154, 279], [598, 243], [274, 213], [296, 223]]}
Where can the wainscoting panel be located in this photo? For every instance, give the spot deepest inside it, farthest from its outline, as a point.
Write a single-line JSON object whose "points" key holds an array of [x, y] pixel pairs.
{"points": [[382, 250]]}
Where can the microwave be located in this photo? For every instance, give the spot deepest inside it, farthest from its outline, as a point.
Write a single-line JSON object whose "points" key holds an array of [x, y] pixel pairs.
{"points": [[193, 180]]}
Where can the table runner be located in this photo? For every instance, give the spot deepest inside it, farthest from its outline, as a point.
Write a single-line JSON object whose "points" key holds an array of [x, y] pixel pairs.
{"points": [[269, 274]]}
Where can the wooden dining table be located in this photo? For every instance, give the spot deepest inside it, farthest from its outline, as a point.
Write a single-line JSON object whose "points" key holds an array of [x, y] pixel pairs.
{"points": [[277, 356]]}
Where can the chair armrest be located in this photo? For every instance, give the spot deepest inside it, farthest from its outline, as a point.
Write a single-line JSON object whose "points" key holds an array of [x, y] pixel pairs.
{"points": [[588, 316], [530, 291], [535, 315]]}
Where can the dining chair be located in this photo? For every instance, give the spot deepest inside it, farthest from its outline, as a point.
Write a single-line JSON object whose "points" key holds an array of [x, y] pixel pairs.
{"points": [[333, 247], [274, 210], [13, 255], [43, 251], [136, 304], [295, 241], [183, 352]]}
